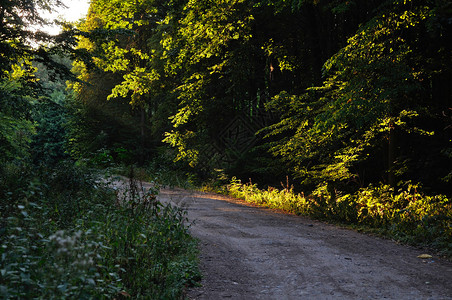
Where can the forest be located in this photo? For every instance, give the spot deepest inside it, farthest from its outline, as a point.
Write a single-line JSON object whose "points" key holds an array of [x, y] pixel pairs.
{"points": [[345, 93], [345, 103]]}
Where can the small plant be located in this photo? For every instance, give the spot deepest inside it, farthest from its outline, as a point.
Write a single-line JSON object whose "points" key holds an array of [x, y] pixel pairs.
{"points": [[157, 241]]}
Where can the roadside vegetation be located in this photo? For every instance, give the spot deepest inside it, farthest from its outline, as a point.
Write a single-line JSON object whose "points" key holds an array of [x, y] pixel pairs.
{"points": [[406, 215], [66, 235]]}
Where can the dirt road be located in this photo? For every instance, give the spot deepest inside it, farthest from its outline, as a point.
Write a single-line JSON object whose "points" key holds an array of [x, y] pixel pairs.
{"points": [[249, 252]]}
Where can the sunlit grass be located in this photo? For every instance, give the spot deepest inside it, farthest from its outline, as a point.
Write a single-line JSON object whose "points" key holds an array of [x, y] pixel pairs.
{"points": [[406, 215]]}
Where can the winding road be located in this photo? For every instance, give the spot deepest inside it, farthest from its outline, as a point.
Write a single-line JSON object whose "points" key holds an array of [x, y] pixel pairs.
{"points": [[249, 252]]}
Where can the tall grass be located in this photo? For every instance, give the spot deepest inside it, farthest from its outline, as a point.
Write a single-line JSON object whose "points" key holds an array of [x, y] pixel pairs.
{"points": [[63, 235], [406, 215]]}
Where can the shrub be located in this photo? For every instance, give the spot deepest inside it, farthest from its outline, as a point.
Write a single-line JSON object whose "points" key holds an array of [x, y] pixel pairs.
{"points": [[62, 236]]}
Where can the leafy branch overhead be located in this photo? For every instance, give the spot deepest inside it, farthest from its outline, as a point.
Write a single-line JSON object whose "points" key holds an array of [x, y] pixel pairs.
{"points": [[332, 88]]}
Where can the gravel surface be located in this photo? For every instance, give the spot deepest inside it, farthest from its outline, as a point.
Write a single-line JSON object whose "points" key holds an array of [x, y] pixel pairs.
{"points": [[249, 252]]}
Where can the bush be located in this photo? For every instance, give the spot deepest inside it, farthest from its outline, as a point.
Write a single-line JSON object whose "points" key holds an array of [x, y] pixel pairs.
{"points": [[64, 235]]}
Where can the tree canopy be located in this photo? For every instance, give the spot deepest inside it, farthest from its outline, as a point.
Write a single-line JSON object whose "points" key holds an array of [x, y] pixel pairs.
{"points": [[338, 91], [345, 93]]}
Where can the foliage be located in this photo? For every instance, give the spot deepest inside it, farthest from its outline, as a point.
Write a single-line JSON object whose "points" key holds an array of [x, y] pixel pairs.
{"points": [[406, 215], [220, 72], [183, 71], [49, 143], [203, 64], [123, 38], [21, 50], [373, 105], [16, 124], [62, 237], [18, 40], [284, 199]]}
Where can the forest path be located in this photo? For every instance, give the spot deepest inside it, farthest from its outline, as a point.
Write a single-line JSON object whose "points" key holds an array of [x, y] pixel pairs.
{"points": [[249, 252]]}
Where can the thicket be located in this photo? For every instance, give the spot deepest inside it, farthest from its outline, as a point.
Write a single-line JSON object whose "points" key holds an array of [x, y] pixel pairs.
{"points": [[66, 235]]}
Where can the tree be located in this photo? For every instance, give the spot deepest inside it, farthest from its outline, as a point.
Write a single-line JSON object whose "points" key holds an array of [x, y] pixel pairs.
{"points": [[125, 40], [375, 104], [207, 50], [19, 87]]}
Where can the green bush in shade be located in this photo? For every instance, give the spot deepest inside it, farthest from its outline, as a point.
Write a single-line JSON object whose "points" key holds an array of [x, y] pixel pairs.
{"points": [[64, 236]]}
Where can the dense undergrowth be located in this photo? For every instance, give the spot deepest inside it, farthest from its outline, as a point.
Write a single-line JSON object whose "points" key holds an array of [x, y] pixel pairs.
{"points": [[406, 215], [63, 235]]}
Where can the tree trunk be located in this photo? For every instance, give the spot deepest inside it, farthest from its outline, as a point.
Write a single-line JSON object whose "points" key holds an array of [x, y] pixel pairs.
{"points": [[391, 154], [142, 135]]}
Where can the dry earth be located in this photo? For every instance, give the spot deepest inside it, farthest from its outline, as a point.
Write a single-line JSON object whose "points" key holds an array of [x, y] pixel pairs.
{"points": [[250, 252]]}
